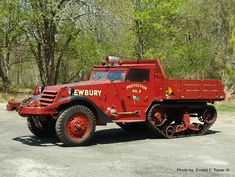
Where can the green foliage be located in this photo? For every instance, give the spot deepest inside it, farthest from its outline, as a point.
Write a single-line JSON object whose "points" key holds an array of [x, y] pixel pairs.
{"points": [[3, 97], [191, 37], [194, 39], [153, 20], [233, 33]]}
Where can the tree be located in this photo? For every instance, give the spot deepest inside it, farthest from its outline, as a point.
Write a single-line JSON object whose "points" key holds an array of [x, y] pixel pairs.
{"points": [[152, 21], [47, 36], [201, 47], [9, 36]]}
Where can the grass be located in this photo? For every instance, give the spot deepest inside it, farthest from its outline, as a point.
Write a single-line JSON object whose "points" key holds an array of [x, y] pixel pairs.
{"points": [[225, 107]]}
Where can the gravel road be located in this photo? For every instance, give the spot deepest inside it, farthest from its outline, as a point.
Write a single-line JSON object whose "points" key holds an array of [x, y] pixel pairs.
{"points": [[114, 152]]}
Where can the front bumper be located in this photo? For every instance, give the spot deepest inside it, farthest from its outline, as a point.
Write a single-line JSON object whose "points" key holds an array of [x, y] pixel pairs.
{"points": [[13, 104], [26, 111]]}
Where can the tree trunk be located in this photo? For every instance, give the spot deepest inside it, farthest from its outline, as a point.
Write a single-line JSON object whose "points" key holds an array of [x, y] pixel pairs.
{"points": [[139, 43], [4, 73], [43, 40]]}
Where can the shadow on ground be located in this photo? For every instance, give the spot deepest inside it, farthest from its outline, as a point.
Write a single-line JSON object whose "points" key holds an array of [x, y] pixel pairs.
{"points": [[35, 141], [107, 136], [209, 132], [117, 135]]}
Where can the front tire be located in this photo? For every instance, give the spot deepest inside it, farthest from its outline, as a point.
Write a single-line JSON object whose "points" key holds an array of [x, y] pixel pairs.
{"points": [[41, 128], [76, 126]]}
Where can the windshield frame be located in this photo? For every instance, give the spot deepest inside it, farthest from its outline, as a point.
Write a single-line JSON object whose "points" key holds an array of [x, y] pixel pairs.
{"points": [[123, 77], [108, 73], [104, 76]]}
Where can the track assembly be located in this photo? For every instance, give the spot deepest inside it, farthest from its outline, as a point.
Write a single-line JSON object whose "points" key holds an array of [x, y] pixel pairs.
{"points": [[180, 126]]}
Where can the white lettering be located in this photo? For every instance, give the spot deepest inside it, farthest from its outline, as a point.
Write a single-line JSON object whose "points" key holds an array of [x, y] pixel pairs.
{"points": [[80, 92], [88, 92], [91, 92], [95, 93], [99, 92], [137, 86]]}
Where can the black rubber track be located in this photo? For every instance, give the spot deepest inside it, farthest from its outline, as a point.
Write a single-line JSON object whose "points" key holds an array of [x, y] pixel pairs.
{"points": [[47, 128], [159, 132], [61, 123]]}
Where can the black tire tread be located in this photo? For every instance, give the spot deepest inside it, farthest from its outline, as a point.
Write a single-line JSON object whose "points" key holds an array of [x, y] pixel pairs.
{"points": [[157, 132], [48, 128], [62, 121]]}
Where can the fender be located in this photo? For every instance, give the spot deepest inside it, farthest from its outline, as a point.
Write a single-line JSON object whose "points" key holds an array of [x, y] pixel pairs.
{"points": [[154, 101], [102, 118]]}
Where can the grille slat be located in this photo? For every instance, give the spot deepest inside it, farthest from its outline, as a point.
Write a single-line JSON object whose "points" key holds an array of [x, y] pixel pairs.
{"points": [[47, 97], [50, 91], [44, 104], [47, 100]]}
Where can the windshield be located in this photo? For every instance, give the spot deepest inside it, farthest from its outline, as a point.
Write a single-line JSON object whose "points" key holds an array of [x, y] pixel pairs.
{"points": [[99, 75], [114, 76], [111, 75]]}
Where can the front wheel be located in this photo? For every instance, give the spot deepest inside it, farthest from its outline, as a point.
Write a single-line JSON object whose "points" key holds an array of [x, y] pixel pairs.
{"points": [[76, 126], [41, 128]]}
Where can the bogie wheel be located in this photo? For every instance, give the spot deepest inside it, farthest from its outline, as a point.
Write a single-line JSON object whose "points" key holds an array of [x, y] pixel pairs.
{"points": [[76, 126], [197, 126], [41, 128], [156, 115], [210, 115], [169, 131], [156, 119]]}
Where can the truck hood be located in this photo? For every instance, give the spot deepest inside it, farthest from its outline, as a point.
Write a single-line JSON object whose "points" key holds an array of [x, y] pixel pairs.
{"points": [[81, 83]]}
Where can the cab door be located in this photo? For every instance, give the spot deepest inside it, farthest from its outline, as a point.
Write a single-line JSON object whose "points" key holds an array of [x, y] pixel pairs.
{"points": [[137, 90]]}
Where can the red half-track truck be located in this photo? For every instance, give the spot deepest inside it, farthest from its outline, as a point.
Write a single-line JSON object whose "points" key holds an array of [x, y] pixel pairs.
{"points": [[131, 93]]}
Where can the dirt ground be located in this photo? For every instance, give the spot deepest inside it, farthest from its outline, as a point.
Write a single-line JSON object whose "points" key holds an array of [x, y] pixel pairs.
{"points": [[114, 152]]}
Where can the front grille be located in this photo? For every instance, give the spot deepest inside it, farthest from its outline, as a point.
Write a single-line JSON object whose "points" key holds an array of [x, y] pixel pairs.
{"points": [[47, 97]]}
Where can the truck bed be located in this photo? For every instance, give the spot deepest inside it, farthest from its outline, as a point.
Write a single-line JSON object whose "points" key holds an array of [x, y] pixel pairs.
{"points": [[211, 90]]}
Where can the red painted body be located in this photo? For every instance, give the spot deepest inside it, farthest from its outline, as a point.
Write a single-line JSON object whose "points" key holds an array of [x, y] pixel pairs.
{"points": [[125, 100]]}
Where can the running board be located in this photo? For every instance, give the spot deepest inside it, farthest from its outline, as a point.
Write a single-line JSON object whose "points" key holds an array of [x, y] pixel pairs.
{"points": [[137, 113], [113, 114]]}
